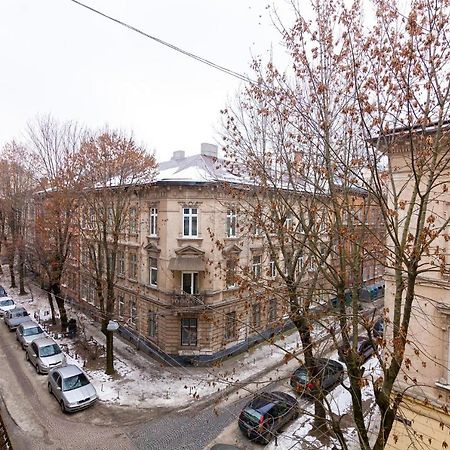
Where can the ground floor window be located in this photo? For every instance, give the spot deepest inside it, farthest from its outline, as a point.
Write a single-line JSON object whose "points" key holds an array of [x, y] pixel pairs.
{"points": [[230, 325], [256, 315], [189, 332], [121, 303], [272, 313], [151, 324], [133, 311]]}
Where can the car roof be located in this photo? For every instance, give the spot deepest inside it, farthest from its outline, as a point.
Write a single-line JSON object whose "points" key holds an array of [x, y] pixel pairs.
{"points": [[68, 371], [29, 324], [44, 341], [264, 401]]}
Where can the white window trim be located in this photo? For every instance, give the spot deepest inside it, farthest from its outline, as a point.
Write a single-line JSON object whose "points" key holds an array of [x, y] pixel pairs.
{"points": [[192, 282], [190, 216], [153, 221], [231, 223], [152, 268]]}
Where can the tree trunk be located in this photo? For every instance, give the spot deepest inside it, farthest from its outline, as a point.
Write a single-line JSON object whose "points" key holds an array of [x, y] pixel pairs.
{"points": [[52, 307], [21, 274], [11, 270], [56, 289], [109, 335]]}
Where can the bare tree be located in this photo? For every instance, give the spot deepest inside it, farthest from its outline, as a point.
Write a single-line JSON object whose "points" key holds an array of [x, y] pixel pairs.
{"points": [[352, 97], [54, 148], [115, 168], [16, 186]]}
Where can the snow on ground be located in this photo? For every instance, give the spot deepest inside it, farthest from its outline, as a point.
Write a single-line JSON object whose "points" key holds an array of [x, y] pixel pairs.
{"points": [[299, 432], [143, 382]]}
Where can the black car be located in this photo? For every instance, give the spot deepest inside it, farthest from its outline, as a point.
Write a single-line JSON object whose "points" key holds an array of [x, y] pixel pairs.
{"points": [[266, 414], [364, 349], [378, 328], [331, 372]]}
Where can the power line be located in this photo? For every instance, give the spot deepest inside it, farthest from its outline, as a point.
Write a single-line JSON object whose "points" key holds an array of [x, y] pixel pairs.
{"points": [[166, 44]]}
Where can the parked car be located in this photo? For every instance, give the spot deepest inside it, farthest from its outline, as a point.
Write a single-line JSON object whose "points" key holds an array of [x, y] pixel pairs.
{"points": [[71, 387], [378, 328], [3, 293], [6, 304], [331, 372], [364, 349], [44, 354], [27, 332], [266, 414], [14, 317]]}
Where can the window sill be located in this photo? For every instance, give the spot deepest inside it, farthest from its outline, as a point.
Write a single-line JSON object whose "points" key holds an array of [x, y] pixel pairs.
{"points": [[133, 280], [442, 386], [190, 238]]}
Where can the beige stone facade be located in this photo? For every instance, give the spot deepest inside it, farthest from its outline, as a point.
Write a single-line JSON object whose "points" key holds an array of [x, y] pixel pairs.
{"points": [[423, 416]]}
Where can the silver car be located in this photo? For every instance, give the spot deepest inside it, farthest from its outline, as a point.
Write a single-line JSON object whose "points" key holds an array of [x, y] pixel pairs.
{"points": [[6, 304], [16, 316], [71, 387], [44, 354], [27, 332]]}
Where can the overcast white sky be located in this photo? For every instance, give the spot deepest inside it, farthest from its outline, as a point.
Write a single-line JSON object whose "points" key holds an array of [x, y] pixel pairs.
{"points": [[59, 58]]}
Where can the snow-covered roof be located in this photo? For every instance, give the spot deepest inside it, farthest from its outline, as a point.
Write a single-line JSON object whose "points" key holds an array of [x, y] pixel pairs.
{"points": [[196, 169]]}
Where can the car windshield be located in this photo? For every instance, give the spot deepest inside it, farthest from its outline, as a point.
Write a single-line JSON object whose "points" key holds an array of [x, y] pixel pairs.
{"points": [[49, 350], [252, 416], [75, 382], [31, 331], [8, 302]]}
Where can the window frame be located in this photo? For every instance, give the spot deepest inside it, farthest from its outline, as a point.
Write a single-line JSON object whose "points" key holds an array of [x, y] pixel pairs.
{"points": [[153, 221], [190, 218], [230, 328], [256, 267], [190, 330], [132, 267], [152, 271], [133, 220], [152, 324], [231, 223], [195, 279], [256, 315]]}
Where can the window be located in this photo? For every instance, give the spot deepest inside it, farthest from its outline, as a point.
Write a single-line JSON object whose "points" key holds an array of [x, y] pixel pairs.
{"points": [[152, 324], [121, 263], [133, 312], [110, 219], [231, 223], [153, 221], [121, 305], [300, 263], [272, 312], [256, 315], [256, 266], [189, 332], [230, 325], [272, 269], [289, 221], [153, 271], [189, 282], [231, 272], [132, 221], [190, 222], [132, 266]]}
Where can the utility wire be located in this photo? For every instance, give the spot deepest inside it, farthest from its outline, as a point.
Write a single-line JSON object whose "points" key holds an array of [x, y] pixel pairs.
{"points": [[167, 44]]}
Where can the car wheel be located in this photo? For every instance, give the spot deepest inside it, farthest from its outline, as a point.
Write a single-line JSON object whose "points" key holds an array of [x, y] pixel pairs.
{"points": [[49, 387], [63, 408], [37, 368]]}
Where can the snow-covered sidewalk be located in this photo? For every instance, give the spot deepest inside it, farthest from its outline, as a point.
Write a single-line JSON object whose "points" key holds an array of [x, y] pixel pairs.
{"points": [[145, 383]]}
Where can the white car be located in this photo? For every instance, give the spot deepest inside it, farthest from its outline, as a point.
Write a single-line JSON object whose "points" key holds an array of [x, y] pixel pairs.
{"points": [[27, 332], [6, 304], [45, 354]]}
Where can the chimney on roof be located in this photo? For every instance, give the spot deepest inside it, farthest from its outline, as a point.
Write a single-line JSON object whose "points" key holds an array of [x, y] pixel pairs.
{"points": [[208, 150], [178, 155]]}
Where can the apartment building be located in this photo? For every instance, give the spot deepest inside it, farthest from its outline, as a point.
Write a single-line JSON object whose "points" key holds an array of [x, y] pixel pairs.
{"points": [[423, 420], [185, 244]]}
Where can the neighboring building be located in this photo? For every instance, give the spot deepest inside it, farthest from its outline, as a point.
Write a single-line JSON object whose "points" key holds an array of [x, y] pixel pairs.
{"points": [[423, 420], [177, 292]]}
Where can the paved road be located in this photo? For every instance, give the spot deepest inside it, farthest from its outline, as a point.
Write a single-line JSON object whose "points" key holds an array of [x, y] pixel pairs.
{"points": [[42, 425]]}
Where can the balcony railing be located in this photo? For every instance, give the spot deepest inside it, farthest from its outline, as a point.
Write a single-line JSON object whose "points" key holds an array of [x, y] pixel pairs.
{"points": [[188, 300]]}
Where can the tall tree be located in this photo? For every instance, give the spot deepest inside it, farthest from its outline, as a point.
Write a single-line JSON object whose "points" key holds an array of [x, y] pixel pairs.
{"points": [[352, 97], [17, 182], [115, 168], [54, 147]]}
